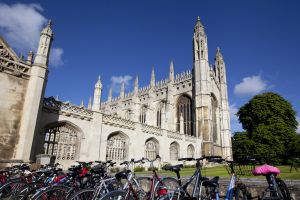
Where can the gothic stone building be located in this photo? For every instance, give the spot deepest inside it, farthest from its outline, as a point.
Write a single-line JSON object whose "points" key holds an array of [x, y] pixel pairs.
{"points": [[185, 115]]}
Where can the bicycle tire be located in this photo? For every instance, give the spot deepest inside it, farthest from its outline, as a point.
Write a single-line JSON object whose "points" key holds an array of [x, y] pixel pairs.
{"points": [[117, 194], [86, 194], [11, 189], [145, 183], [284, 189], [241, 192], [55, 192]]}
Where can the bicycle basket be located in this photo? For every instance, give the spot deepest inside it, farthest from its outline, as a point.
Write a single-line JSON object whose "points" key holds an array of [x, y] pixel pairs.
{"points": [[242, 169]]}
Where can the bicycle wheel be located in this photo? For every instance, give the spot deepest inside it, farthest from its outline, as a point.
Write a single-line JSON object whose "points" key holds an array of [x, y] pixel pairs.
{"points": [[28, 191], [144, 183], [241, 193], [169, 189], [55, 192], [85, 194], [11, 189], [284, 189], [116, 195]]}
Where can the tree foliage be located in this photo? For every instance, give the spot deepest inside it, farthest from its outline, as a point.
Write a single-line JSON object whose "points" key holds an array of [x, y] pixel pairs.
{"points": [[270, 124]]}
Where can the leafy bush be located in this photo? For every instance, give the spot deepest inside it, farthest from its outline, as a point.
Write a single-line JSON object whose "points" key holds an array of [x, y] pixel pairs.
{"points": [[139, 169], [151, 168]]}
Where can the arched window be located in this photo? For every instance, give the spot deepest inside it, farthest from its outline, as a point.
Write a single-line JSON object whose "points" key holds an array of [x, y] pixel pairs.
{"points": [[143, 114], [214, 106], [190, 151], [174, 151], [127, 114], [184, 112], [116, 147], [159, 113], [151, 148], [62, 141]]}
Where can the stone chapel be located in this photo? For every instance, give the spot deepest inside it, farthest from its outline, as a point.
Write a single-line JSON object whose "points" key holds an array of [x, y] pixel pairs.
{"points": [[184, 115]]}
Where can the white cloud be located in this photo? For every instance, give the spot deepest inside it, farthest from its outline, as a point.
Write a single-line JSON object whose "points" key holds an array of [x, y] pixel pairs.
{"points": [[21, 24], [56, 57], [250, 86], [117, 80], [234, 121]]}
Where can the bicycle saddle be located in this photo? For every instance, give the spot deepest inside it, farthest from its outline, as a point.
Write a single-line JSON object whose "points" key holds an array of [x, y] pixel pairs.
{"points": [[175, 168], [122, 174], [265, 170], [212, 182]]}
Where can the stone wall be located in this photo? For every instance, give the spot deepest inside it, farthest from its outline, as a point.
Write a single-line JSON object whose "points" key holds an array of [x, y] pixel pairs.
{"points": [[12, 93], [258, 186]]}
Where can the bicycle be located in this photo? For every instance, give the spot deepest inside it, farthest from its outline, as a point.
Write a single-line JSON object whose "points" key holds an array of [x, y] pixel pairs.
{"points": [[277, 189], [236, 188]]}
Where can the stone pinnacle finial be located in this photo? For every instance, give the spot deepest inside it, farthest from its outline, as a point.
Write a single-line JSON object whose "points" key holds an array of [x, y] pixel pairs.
{"points": [[199, 26], [50, 23], [122, 91], [152, 82], [171, 73], [110, 94], [136, 85], [219, 54], [98, 84], [90, 103]]}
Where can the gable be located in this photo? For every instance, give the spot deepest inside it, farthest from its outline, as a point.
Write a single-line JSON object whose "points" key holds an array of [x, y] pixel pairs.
{"points": [[6, 51]]}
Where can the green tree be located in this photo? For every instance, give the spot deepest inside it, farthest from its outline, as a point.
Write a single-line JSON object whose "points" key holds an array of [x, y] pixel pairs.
{"points": [[270, 124]]}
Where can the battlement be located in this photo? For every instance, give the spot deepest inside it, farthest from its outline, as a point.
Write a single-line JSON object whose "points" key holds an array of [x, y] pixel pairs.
{"points": [[50, 104]]}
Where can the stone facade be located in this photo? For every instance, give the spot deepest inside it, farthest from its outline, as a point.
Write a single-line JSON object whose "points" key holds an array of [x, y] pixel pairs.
{"points": [[183, 115]]}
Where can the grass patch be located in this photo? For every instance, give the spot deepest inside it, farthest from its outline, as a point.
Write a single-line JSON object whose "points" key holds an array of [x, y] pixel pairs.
{"points": [[221, 171]]}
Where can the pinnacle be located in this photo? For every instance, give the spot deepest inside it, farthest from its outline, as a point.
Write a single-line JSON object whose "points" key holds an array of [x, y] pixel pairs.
{"points": [[50, 23]]}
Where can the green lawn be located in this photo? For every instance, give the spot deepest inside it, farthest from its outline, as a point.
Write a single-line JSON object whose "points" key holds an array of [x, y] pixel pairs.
{"points": [[221, 171]]}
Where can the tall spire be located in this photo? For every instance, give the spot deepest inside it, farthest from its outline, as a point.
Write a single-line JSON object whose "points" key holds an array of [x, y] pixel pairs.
{"points": [[152, 82], [199, 28], [219, 55], [171, 74], [82, 104], [122, 91], [90, 104], [109, 94], [136, 85], [43, 52], [97, 94]]}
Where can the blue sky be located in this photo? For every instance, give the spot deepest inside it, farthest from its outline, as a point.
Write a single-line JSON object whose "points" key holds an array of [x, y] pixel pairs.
{"points": [[119, 40]]}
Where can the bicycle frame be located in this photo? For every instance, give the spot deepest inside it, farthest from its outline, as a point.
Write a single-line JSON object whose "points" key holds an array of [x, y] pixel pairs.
{"points": [[230, 188]]}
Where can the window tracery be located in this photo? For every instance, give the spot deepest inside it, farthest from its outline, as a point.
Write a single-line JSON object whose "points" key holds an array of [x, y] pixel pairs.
{"points": [[190, 151], [143, 114], [174, 151], [116, 147], [61, 141], [184, 110], [214, 105], [151, 149]]}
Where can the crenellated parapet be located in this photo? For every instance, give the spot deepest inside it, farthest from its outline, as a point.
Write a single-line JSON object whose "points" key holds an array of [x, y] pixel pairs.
{"points": [[118, 122], [52, 105], [12, 65], [152, 130], [175, 135], [183, 76]]}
